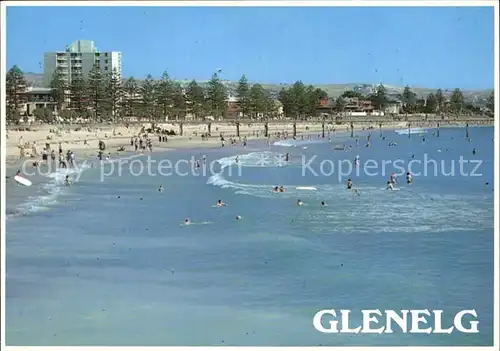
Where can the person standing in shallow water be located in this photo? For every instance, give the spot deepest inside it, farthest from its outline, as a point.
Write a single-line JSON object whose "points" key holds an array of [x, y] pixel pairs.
{"points": [[349, 183]]}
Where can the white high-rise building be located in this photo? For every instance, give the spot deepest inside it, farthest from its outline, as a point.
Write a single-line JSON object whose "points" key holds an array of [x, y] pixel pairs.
{"points": [[78, 59]]}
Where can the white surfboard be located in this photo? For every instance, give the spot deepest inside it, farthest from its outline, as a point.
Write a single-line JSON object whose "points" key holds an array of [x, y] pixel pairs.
{"points": [[23, 181], [305, 188]]}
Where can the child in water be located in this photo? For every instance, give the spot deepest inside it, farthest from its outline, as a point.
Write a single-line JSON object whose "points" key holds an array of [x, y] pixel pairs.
{"points": [[220, 203]]}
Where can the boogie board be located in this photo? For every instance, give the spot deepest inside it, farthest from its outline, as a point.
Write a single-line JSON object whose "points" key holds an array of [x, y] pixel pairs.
{"points": [[305, 188], [22, 180]]}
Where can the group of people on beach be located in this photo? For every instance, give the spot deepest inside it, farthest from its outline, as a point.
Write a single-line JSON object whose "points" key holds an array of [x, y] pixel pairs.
{"points": [[233, 141], [143, 142]]}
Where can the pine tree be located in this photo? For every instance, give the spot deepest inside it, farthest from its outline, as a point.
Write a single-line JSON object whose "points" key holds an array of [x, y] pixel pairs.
{"points": [[178, 101], [195, 97], [130, 90], [148, 92], [164, 94], [15, 88], [285, 99], [114, 94], [490, 104], [380, 97], [298, 99], [409, 99], [431, 103], [217, 96], [243, 94], [59, 86], [78, 95], [440, 101], [96, 92], [257, 100], [457, 101]]}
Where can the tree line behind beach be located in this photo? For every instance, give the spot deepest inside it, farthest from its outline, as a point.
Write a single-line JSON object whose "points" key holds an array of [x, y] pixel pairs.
{"points": [[105, 96]]}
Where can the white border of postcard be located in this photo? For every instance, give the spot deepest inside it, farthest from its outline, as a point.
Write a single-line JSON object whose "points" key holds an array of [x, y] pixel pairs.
{"points": [[461, 3]]}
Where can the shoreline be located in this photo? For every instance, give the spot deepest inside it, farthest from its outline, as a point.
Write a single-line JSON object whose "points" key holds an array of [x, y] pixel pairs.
{"points": [[84, 141], [120, 137], [86, 153]]}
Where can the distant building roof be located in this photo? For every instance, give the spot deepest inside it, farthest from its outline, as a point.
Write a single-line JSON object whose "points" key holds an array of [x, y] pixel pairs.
{"points": [[35, 90]]}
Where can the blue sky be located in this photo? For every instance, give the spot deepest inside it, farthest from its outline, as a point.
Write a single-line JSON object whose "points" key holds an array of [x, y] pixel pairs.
{"points": [[430, 47]]}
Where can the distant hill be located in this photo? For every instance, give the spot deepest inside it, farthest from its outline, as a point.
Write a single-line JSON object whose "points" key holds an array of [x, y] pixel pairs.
{"points": [[478, 97]]}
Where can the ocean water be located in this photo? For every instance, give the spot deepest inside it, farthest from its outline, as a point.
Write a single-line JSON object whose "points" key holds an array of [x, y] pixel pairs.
{"points": [[109, 261]]}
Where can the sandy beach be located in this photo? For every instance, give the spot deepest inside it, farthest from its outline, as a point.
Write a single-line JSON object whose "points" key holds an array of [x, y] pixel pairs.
{"points": [[84, 141]]}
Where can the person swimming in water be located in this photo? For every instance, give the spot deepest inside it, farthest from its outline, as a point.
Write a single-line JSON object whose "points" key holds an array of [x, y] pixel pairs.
{"points": [[323, 203], [287, 157], [160, 188], [349, 183], [187, 221], [389, 185], [299, 203], [236, 160], [408, 178], [67, 181], [275, 189], [238, 218], [220, 203], [474, 151], [281, 189]]}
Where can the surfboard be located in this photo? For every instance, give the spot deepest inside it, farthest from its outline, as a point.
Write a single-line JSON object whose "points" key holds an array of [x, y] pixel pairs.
{"points": [[305, 188], [23, 181]]}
